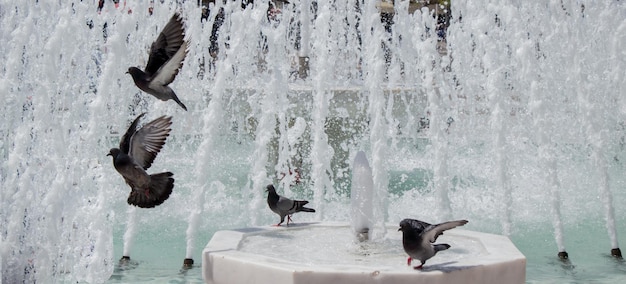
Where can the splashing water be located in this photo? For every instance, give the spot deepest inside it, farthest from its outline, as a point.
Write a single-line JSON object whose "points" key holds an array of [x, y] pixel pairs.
{"points": [[512, 119]]}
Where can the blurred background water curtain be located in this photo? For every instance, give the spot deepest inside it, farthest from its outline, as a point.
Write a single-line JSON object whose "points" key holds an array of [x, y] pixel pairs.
{"points": [[507, 113]]}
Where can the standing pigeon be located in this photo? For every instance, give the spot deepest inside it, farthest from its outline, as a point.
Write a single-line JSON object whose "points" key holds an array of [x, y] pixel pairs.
{"points": [[284, 206], [166, 58], [138, 148], [418, 236]]}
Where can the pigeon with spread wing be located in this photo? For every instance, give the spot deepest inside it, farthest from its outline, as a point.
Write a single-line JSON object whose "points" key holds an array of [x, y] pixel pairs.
{"points": [[137, 151], [165, 60]]}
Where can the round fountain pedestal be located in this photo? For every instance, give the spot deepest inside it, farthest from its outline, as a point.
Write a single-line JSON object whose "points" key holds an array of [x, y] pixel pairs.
{"points": [[327, 253]]}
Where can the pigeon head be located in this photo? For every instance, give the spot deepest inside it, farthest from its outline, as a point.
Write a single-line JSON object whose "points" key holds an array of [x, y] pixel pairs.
{"points": [[271, 194], [114, 152], [136, 73], [403, 225], [406, 225]]}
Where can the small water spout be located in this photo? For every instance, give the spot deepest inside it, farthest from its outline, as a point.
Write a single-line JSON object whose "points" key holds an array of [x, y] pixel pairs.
{"points": [[131, 229], [187, 263], [616, 252], [361, 197], [125, 260], [192, 227], [597, 136]]}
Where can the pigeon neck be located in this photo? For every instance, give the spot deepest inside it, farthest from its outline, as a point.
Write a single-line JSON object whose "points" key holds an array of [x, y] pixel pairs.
{"points": [[138, 75], [272, 196], [121, 159], [409, 235]]}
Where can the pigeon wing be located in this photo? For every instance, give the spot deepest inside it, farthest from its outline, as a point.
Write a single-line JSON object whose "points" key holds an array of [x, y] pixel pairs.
{"points": [[170, 69], [419, 226], [285, 204], [432, 232], [125, 141], [148, 141], [167, 44]]}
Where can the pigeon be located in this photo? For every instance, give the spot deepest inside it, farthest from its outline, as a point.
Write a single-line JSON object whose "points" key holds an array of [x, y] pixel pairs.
{"points": [[166, 58], [418, 236], [284, 206], [137, 151]]}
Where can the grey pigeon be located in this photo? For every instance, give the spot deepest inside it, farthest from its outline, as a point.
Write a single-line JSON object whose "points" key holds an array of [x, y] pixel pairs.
{"points": [[137, 151], [166, 58], [418, 238], [284, 206]]}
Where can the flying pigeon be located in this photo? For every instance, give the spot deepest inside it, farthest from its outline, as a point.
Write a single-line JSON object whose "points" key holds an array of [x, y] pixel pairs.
{"points": [[166, 58], [284, 206], [418, 236], [137, 151]]}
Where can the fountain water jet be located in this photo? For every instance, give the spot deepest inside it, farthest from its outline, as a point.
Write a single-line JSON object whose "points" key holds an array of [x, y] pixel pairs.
{"points": [[362, 197], [131, 230], [193, 224], [321, 152], [550, 179]]}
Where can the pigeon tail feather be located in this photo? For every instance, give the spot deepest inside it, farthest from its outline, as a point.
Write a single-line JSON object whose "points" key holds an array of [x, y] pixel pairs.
{"points": [[160, 188], [175, 98], [440, 247], [306, 209], [299, 205]]}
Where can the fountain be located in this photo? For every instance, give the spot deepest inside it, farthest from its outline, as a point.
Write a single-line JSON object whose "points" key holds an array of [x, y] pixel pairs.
{"points": [[512, 117], [327, 252], [314, 253]]}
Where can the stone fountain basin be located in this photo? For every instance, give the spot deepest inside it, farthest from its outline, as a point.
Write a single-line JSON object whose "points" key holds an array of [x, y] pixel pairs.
{"points": [[328, 253]]}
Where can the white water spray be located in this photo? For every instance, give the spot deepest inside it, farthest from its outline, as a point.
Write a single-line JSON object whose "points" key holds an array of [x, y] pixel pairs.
{"points": [[374, 68], [321, 152]]}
